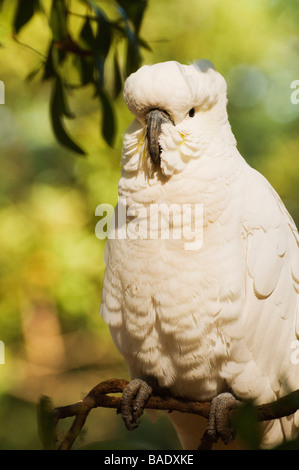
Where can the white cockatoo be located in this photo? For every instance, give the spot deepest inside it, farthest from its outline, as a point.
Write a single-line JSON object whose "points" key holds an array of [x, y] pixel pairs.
{"points": [[216, 320]]}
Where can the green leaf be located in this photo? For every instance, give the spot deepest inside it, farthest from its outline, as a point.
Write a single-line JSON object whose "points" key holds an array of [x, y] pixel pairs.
{"points": [[103, 37], [31, 75], [87, 36], [102, 41], [24, 12], [46, 423], [58, 20], [54, 59], [61, 99], [247, 426], [144, 44], [58, 108], [135, 11], [49, 69], [85, 67], [288, 445], [118, 81], [99, 62], [108, 118], [133, 59], [129, 33]]}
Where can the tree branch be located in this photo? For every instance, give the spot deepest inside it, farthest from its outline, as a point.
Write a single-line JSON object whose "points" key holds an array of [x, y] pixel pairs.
{"points": [[98, 397]]}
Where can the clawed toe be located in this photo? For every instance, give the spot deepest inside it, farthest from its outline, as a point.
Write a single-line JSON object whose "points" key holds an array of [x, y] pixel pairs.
{"points": [[134, 398], [219, 426]]}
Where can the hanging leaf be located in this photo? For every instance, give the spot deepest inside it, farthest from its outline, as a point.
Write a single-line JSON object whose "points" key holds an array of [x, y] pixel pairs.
{"points": [[46, 423], [103, 37], [108, 119], [104, 34], [49, 69], [247, 426], [86, 35], [54, 58], [31, 75], [85, 56], [85, 67], [135, 10], [118, 82], [144, 44], [129, 32], [58, 109], [102, 41], [133, 58], [24, 13], [99, 67], [58, 23], [61, 100]]}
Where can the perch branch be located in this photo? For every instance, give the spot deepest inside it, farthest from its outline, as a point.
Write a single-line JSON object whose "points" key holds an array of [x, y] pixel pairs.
{"points": [[98, 397]]}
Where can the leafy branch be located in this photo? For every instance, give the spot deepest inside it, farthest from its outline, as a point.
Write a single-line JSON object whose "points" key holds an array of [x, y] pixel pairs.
{"points": [[86, 52], [99, 397]]}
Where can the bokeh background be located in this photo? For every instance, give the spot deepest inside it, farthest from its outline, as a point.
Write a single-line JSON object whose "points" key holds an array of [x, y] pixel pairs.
{"points": [[51, 262]]}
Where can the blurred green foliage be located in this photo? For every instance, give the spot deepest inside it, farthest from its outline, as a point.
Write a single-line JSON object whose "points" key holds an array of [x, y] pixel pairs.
{"points": [[80, 38], [51, 262]]}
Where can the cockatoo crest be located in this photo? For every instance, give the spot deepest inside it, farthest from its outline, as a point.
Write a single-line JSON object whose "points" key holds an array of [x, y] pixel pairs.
{"points": [[194, 99], [173, 87]]}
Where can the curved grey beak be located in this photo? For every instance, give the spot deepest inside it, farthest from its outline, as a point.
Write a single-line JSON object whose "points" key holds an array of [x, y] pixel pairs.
{"points": [[154, 120]]}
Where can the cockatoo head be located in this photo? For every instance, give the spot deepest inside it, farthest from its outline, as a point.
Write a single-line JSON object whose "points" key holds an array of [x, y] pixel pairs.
{"points": [[182, 109]]}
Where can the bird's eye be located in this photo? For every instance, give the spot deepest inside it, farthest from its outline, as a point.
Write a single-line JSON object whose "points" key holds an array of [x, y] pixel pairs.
{"points": [[192, 112]]}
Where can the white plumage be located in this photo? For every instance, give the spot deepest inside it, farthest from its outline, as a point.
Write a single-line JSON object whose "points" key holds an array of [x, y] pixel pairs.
{"points": [[223, 317]]}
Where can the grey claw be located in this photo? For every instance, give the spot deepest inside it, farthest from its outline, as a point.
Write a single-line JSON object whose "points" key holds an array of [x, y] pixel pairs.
{"points": [[218, 426], [134, 398]]}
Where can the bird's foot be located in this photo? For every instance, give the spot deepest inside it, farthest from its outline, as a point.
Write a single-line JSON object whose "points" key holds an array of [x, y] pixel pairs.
{"points": [[134, 398], [219, 426]]}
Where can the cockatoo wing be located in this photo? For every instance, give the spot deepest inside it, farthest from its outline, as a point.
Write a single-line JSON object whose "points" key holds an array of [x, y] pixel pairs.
{"points": [[271, 310]]}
